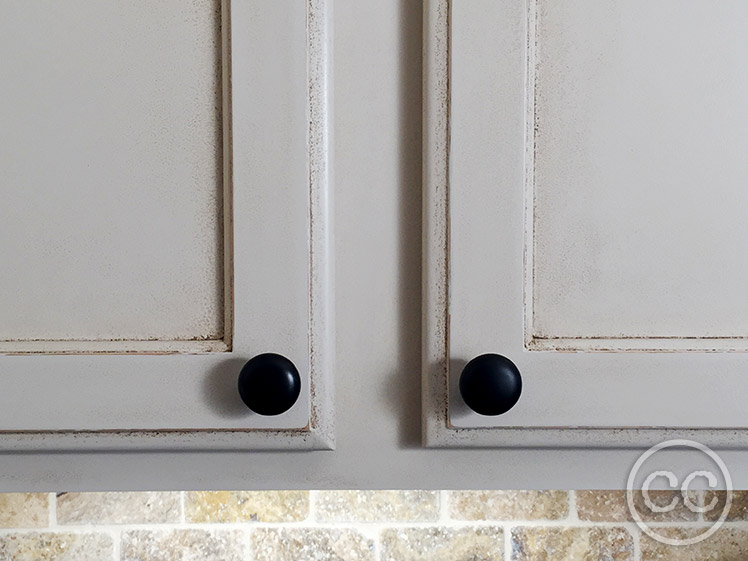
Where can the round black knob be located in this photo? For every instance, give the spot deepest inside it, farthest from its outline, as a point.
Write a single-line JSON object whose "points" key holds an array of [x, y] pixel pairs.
{"points": [[490, 384], [269, 384]]}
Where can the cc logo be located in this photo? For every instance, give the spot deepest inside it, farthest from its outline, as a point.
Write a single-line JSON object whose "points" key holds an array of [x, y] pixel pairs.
{"points": [[708, 477]]}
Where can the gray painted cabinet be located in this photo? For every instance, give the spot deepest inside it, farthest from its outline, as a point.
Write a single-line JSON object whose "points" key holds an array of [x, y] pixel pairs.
{"points": [[167, 213], [166, 216], [585, 195]]}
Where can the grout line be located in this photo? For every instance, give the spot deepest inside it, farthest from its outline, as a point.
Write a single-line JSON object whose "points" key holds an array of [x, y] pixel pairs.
{"points": [[633, 529], [507, 528], [445, 498], [378, 545], [182, 509], [52, 522], [367, 528], [247, 541], [312, 514], [116, 545], [573, 514]]}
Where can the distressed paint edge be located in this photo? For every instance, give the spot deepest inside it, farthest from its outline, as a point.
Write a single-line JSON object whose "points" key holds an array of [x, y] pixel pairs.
{"points": [[584, 438], [229, 440], [435, 259], [49, 347], [528, 290], [319, 434], [436, 429], [321, 227], [640, 344], [227, 174]]}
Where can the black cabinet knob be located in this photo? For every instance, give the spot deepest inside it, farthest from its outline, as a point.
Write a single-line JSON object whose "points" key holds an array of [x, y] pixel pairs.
{"points": [[269, 384], [490, 384]]}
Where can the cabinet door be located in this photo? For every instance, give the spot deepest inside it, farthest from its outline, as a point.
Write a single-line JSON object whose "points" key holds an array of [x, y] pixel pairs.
{"points": [[585, 217], [165, 216]]}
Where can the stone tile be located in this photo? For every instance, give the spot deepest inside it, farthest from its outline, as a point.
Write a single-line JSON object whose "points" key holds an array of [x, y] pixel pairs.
{"points": [[24, 510], [508, 505], [612, 506], [243, 506], [183, 545], [727, 544], [118, 508], [56, 547], [439, 544], [738, 507], [602, 506], [572, 544], [377, 506], [310, 544]]}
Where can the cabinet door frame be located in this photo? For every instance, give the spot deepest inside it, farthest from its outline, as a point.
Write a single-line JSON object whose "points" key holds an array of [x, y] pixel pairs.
{"points": [[440, 365], [319, 433]]}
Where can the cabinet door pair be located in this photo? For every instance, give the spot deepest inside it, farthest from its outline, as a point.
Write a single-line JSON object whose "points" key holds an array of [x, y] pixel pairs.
{"points": [[166, 216]]}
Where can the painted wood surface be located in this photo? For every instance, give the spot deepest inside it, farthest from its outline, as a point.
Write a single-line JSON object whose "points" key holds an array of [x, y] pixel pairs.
{"points": [[378, 141], [166, 217], [583, 184]]}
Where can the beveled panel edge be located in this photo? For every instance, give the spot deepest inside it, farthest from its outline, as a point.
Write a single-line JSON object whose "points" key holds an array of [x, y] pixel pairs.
{"points": [[228, 440], [321, 226], [113, 347], [639, 344], [435, 258]]}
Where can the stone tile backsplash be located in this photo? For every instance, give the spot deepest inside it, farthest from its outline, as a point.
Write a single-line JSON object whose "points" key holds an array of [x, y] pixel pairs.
{"points": [[359, 526]]}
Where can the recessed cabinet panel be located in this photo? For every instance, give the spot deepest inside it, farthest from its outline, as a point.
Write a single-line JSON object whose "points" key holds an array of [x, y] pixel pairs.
{"points": [[114, 199], [585, 186], [165, 218], [638, 175]]}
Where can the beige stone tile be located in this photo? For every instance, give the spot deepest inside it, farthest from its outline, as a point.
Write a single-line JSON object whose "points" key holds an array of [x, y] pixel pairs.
{"points": [[377, 506], [508, 505], [441, 544], [572, 544], [242, 506], [118, 508], [183, 545], [738, 507], [24, 510], [56, 547], [602, 506], [612, 506], [310, 544], [727, 544]]}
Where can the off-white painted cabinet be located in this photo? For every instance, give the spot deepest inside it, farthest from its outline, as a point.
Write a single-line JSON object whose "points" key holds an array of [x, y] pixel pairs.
{"points": [[586, 187], [164, 217]]}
